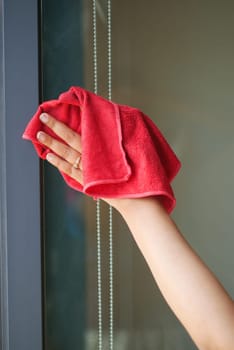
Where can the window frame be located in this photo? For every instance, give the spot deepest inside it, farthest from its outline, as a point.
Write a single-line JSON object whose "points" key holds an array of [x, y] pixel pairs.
{"points": [[20, 222]]}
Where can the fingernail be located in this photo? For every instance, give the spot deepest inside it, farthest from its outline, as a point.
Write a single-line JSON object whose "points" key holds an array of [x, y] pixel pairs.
{"points": [[50, 157], [41, 136], [44, 117]]}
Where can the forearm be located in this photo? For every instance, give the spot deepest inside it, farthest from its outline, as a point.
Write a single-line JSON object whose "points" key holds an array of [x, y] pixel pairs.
{"points": [[191, 290]]}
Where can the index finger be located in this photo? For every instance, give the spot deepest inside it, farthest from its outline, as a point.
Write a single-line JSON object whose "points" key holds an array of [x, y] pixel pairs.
{"points": [[63, 131]]}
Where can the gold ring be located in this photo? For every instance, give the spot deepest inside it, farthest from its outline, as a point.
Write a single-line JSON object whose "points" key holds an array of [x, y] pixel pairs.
{"points": [[77, 162]]}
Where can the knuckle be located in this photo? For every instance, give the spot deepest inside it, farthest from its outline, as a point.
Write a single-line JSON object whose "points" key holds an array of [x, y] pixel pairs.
{"points": [[75, 173], [47, 140], [69, 137], [65, 168], [51, 122], [66, 153]]}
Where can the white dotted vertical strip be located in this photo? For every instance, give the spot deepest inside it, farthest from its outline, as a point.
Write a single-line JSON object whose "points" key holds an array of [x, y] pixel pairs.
{"points": [[109, 49], [111, 302], [98, 204], [99, 274], [109, 88], [95, 69]]}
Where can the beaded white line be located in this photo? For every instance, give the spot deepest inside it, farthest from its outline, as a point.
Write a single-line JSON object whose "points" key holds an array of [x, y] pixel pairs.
{"points": [[111, 302], [99, 273], [109, 88], [95, 69], [98, 208], [109, 50]]}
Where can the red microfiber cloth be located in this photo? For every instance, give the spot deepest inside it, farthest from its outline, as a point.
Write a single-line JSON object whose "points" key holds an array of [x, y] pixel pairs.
{"points": [[124, 155]]}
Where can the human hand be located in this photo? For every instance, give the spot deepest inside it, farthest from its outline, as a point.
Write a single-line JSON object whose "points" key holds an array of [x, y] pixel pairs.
{"points": [[67, 156]]}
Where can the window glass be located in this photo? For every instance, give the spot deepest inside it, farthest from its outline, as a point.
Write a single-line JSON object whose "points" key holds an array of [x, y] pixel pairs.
{"points": [[173, 60]]}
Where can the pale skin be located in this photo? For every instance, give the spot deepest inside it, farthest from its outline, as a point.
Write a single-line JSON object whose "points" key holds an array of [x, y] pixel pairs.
{"points": [[194, 294]]}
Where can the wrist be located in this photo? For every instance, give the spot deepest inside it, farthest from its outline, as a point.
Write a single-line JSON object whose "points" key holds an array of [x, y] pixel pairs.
{"points": [[134, 206]]}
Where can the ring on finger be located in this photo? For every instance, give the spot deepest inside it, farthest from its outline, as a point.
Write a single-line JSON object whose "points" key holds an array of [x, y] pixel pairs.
{"points": [[76, 164]]}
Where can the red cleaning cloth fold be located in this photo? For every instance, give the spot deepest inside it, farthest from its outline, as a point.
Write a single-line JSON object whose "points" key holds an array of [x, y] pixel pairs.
{"points": [[124, 155]]}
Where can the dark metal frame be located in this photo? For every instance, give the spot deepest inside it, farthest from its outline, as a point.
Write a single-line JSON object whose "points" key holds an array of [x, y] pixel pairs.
{"points": [[20, 236]]}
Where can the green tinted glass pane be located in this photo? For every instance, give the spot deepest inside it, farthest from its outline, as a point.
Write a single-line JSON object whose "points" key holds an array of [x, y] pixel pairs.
{"points": [[174, 61], [64, 225]]}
